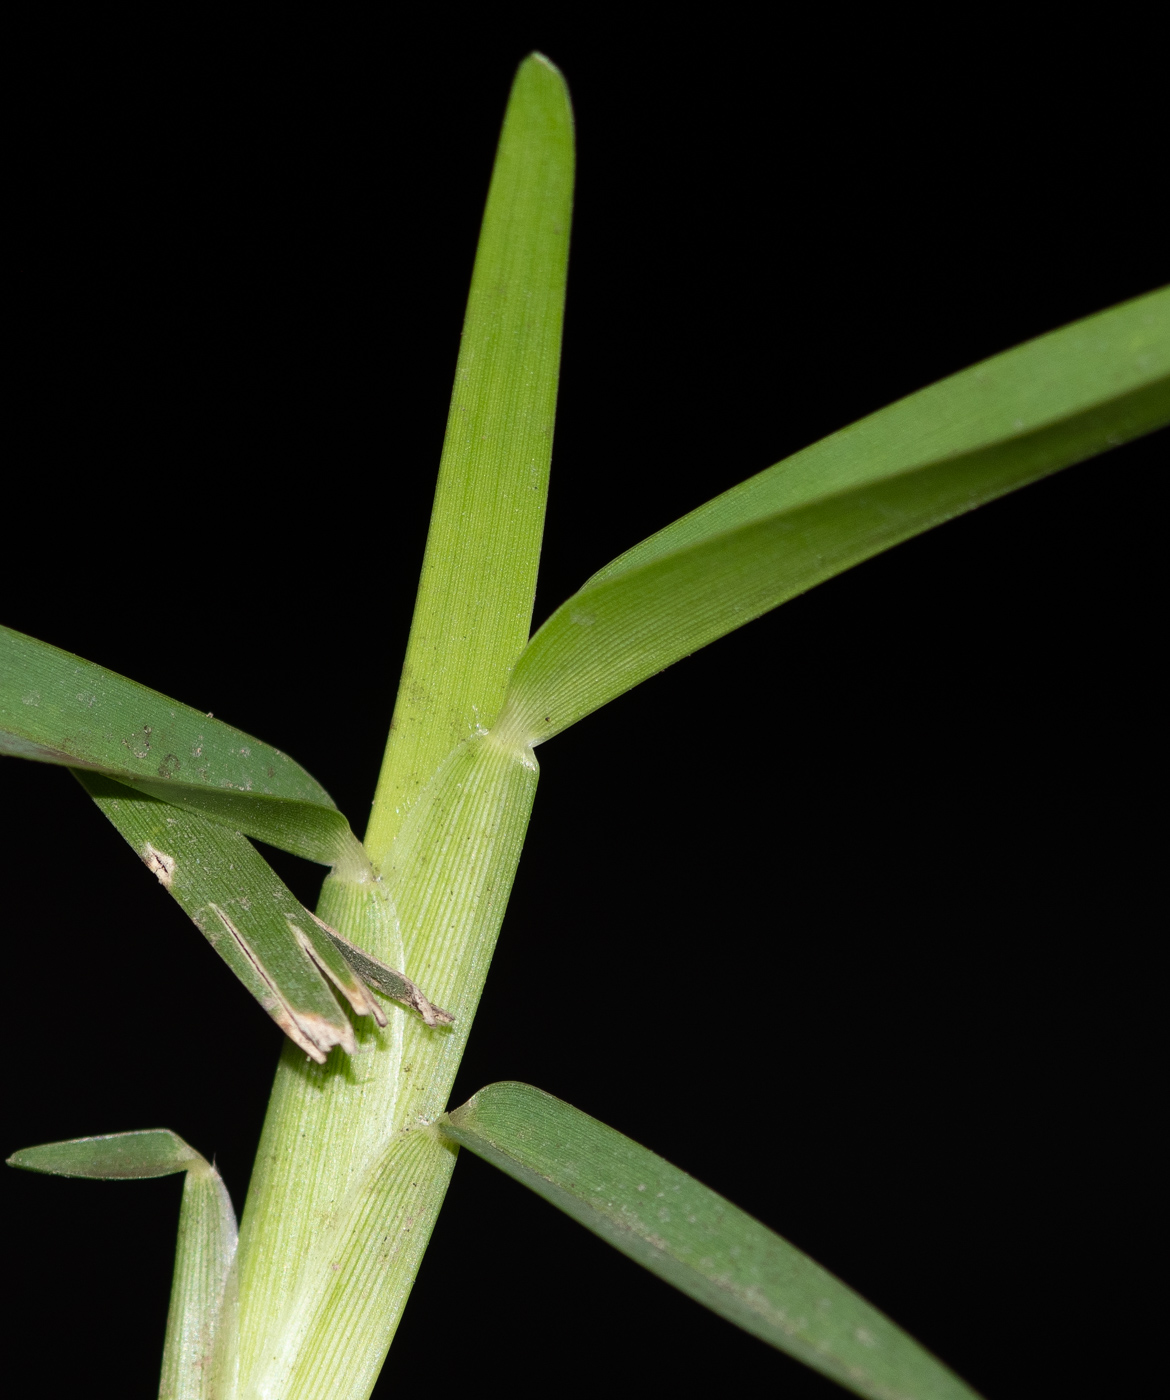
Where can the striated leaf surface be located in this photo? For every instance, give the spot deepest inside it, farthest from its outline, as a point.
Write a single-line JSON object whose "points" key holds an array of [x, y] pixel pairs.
{"points": [[198, 1355], [688, 1235], [923, 460], [57, 708], [277, 949], [457, 801], [115, 1156]]}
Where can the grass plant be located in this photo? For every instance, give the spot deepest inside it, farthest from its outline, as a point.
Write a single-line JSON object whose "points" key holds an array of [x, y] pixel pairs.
{"points": [[377, 989]]}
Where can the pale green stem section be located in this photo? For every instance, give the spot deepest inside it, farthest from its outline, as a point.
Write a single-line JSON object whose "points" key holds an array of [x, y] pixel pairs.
{"points": [[465, 835], [202, 1305], [324, 1123], [362, 1281], [328, 1165]]}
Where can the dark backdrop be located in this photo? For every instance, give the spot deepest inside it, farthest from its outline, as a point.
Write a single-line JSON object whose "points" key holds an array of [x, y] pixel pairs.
{"points": [[872, 868]]}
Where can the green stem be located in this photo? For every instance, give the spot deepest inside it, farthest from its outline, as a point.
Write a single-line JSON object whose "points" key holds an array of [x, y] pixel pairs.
{"points": [[345, 1187]]}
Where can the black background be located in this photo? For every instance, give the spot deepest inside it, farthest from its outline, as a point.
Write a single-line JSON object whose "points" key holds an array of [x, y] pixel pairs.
{"points": [[845, 915]]}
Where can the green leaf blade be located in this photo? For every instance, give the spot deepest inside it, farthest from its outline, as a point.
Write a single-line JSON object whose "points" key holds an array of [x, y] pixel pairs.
{"points": [[203, 1312], [474, 609], [59, 708], [695, 1240], [244, 910], [114, 1156], [954, 446]]}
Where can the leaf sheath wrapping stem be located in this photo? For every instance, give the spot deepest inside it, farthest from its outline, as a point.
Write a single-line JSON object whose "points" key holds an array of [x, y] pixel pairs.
{"points": [[203, 1310], [319, 1155]]}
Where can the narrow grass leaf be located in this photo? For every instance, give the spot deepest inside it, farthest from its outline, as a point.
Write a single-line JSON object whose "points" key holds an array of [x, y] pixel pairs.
{"points": [[390, 982], [682, 1231], [947, 449], [245, 911], [57, 708], [202, 1313], [115, 1156], [474, 609], [187, 824]]}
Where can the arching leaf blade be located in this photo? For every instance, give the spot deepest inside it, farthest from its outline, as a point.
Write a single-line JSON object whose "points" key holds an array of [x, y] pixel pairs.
{"points": [[688, 1235], [956, 445], [203, 1307], [59, 708], [1092, 363]]}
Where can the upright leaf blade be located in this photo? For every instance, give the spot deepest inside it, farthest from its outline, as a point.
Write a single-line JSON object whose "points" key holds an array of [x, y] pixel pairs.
{"points": [[682, 1231], [945, 450], [474, 607]]}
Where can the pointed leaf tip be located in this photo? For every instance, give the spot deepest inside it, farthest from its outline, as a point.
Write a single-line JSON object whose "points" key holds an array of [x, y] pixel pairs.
{"points": [[695, 1240], [114, 1156]]}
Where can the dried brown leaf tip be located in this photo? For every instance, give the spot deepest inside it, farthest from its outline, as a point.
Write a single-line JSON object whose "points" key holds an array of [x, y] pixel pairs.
{"points": [[386, 979], [431, 1014]]}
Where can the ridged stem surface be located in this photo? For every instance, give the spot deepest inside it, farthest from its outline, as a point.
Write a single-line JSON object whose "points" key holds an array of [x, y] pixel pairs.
{"points": [[345, 1188]]}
